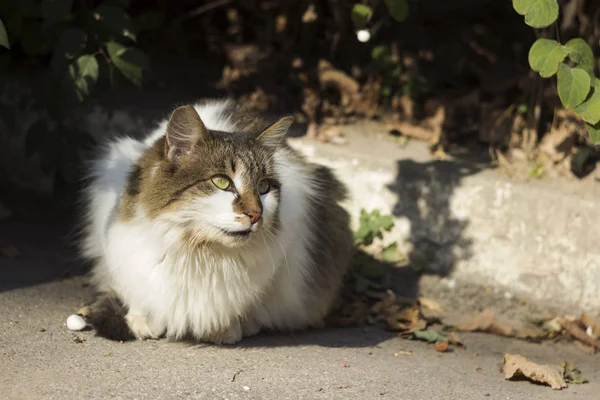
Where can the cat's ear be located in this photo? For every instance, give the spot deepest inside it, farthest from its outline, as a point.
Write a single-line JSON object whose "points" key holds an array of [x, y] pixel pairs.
{"points": [[185, 129], [275, 133]]}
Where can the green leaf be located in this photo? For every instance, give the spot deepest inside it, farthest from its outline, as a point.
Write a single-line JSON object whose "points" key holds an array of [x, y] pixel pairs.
{"points": [[545, 56], [537, 171], [116, 19], [398, 9], [68, 46], [594, 131], [372, 225], [581, 53], [572, 374], [573, 85], [4, 36], [429, 335], [589, 110], [538, 13], [391, 254], [55, 11], [84, 74], [130, 61], [361, 14]]}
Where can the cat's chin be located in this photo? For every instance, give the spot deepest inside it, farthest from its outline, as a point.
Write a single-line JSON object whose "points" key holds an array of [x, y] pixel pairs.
{"points": [[235, 238]]}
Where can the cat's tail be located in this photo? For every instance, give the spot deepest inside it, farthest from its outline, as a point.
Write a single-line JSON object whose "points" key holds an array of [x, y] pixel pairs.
{"points": [[107, 316]]}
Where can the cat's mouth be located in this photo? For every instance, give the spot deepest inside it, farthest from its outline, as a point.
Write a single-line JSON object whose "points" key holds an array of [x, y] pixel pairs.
{"points": [[240, 234]]}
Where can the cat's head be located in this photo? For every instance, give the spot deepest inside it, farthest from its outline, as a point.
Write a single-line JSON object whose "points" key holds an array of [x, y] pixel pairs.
{"points": [[218, 187]]}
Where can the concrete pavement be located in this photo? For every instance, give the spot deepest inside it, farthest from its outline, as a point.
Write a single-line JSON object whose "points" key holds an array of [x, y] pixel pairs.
{"points": [[39, 358]]}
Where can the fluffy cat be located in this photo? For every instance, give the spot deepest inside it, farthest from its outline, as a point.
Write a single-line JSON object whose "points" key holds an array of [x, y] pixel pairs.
{"points": [[212, 228]]}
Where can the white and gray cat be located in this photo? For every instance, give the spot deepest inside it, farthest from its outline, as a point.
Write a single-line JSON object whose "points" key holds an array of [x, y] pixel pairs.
{"points": [[213, 229]]}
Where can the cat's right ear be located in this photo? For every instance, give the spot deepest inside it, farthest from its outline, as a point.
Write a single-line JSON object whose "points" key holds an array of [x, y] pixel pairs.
{"points": [[185, 130]]}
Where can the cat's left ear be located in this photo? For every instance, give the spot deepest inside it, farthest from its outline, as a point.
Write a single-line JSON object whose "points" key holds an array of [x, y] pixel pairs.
{"points": [[275, 133]]}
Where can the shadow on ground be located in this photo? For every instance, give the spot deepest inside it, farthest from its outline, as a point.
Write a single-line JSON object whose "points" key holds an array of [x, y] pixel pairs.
{"points": [[425, 193]]}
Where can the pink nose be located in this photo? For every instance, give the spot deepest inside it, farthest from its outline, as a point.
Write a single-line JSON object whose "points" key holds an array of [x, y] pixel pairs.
{"points": [[254, 216]]}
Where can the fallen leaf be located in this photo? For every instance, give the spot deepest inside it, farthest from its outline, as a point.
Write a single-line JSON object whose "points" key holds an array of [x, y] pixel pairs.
{"points": [[574, 330], [454, 339], [553, 325], [411, 130], [479, 370], [441, 346], [406, 319], [533, 334], [517, 365], [310, 15], [590, 323], [430, 306], [429, 336], [485, 322], [10, 251], [572, 374], [587, 349]]}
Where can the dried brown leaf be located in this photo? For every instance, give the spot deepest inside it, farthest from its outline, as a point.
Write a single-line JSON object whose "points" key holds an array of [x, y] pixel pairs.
{"points": [[406, 319], [430, 306], [454, 339], [591, 324], [531, 334], [485, 322], [310, 15], [573, 328], [517, 365], [586, 348], [441, 346], [411, 130]]}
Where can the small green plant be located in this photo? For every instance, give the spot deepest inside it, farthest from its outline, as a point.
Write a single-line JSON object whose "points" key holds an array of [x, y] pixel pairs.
{"points": [[578, 86], [362, 13], [386, 60], [372, 226]]}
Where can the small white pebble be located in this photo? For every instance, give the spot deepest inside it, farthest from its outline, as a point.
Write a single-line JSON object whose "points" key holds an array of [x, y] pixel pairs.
{"points": [[363, 35], [508, 295], [75, 322], [246, 388], [590, 331]]}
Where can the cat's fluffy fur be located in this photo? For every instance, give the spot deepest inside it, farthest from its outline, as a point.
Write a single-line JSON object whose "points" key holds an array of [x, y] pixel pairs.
{"points": [[177, 257]]}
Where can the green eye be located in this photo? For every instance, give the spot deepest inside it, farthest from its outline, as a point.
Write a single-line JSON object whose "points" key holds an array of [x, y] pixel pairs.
{"points": [[221, 182], [264, 186]]}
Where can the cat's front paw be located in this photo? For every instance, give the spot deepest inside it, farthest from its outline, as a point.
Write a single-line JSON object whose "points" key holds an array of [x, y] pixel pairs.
{"points": [[141, 327], [231, 335], [250, 326]]}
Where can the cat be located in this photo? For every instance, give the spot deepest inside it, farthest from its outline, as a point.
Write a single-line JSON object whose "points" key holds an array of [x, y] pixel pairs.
{"points": [[212, 228]]}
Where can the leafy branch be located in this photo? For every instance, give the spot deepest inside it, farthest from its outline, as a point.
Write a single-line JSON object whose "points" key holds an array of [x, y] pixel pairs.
{"points": [[578, 86]]}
